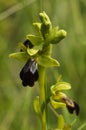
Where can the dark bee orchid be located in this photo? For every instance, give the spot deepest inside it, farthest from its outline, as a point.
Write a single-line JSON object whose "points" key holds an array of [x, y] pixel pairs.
{"points": [[29, 73], [60, 99]]}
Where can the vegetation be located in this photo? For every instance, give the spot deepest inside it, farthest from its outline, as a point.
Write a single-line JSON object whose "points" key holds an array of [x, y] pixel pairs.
{"points": [[16, 109]]}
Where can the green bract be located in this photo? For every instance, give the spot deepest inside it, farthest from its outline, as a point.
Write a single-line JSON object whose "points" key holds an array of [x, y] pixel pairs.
{"points": [[36, 105], [60, 124]]}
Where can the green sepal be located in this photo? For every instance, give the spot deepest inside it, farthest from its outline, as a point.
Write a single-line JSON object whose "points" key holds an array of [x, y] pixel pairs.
{"points": [[47, 61], [60, 86], [35, 40], [55, 36], [60, 124], [56, 104], [36, 105], [21, 56]]}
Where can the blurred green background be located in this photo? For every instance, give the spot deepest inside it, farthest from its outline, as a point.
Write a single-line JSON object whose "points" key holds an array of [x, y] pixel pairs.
{"points": [[16, 102]]}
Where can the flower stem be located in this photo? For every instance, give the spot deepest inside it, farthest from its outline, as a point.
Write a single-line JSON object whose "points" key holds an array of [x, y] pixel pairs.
{"points": [[42, 97]]}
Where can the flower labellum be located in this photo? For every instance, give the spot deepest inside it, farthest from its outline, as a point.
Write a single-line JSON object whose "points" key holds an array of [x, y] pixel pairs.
{"points": [[29, 73], [71, 105]]}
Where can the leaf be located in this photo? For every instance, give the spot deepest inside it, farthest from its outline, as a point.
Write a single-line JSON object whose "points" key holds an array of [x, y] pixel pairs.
{"points": [[47, 61], [60, 86], [21, 56], [35, 40]]}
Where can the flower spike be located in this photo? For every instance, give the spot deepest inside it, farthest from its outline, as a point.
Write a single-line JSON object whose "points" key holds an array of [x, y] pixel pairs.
{"points": [[36, 51]]}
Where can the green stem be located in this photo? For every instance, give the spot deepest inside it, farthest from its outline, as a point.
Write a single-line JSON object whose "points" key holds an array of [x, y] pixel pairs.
{"points": [[42, 96]]}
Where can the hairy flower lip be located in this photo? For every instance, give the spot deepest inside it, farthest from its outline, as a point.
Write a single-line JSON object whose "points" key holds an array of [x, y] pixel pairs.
{"points": [[72, 108], [71, 105], [29, 73]]}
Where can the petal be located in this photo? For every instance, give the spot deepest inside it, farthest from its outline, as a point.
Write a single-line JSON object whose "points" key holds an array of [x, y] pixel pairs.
{"points": [[32, 51], [22, 47]]}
